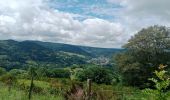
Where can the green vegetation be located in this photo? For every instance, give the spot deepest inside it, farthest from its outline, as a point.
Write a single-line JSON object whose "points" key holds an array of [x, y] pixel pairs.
{"points": [[96, 74], [15, 55], [33, 70], [161, 84], [144, 52], [17, 94], [2, 71]]}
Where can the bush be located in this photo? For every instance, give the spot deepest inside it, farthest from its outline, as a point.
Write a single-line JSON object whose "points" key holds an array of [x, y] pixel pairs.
{"points": [[2, 71], [9, 80], [19, 73], [59, 73], [161, 84], [96, 74]]}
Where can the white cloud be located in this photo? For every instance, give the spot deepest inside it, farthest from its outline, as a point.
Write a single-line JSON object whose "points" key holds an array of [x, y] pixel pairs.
{"points": [[138, 14], [34, 20], [143, 13], [114, 1]]}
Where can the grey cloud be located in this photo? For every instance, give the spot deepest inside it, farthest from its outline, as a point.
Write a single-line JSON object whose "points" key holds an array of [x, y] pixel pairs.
{"points": [[143, 13], [137, 14]]}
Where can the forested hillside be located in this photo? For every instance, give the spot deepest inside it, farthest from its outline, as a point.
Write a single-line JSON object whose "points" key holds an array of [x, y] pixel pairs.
{"points": [[14, 54]]}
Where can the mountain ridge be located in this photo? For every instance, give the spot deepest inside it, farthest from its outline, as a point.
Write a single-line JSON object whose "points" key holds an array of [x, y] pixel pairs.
{"points": [[14, 54]]}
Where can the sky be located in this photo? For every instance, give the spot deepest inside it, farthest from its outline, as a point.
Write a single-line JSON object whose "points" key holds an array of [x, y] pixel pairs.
{"points": [[96, 23]]}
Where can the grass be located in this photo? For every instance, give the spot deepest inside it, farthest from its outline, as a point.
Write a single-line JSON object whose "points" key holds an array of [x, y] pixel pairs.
{"points": [[41, 84], [16, 94], [107, 92], [12, 95]]}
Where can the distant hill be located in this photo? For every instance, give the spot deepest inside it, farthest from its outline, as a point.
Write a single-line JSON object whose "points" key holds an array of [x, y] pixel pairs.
{"points": [[84, 50], [14, 54], [101, 52]]}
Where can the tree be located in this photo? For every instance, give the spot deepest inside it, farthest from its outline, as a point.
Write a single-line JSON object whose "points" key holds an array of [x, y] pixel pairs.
{"points": [[150, 45], [59, 73], [143, 52], [96, 74]]}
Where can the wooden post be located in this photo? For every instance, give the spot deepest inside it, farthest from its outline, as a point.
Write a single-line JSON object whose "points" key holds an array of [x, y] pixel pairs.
{"points": [[31, 87], [89, 88]]}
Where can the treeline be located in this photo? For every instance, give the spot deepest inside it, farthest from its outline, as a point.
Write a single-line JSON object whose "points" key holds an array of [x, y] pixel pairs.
{"points": [[41, 72], [98, 74]]}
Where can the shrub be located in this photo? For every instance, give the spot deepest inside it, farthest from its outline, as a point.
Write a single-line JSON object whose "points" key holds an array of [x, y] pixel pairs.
{"points": [[96, 74], [2, 71], [58, 73], [161, 84], [9, 80]]}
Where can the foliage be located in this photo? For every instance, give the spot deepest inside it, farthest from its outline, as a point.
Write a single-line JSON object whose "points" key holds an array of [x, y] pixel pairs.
{"points": [[96, 74], [17, 94], [161, 84], [19, 73], [2, 71], [9, 80], [148, 48], [14, 54], [58, 73], [41, 72]]}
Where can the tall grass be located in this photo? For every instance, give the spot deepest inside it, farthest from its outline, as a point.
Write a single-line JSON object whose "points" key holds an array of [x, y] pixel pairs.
{"points": [[17, 94], [100, 92]]}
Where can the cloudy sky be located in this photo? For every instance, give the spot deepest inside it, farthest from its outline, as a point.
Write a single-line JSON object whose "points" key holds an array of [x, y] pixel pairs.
{"points": [[98, 23]]}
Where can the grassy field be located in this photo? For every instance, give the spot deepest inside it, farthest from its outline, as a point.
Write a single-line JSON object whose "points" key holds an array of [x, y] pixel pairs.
{"points": [[41, 84], [101, 92], [109, 94], [18, 94]]}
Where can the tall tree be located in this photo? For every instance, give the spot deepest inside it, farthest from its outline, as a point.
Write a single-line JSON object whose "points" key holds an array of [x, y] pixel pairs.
{"points": [[144, 51]]}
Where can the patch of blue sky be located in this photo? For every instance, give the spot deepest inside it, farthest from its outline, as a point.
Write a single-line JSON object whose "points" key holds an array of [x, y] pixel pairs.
{"points": [[81, 1], [94, 8]]}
